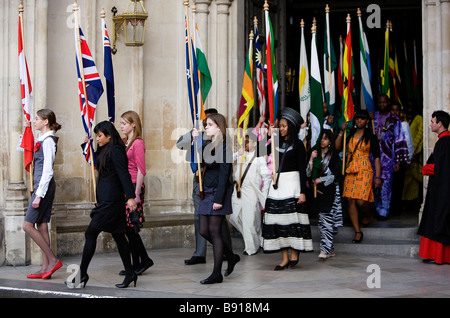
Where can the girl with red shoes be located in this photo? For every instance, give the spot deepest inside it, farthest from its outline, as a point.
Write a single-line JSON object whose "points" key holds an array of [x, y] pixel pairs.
{"points": [[40, 207]]}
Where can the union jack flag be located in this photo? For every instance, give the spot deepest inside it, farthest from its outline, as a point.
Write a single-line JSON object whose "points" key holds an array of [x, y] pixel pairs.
{"points": [[89, 83]]}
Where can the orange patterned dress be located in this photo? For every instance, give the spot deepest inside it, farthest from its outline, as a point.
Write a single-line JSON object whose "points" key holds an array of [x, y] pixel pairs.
{"points": [[358, 173]]}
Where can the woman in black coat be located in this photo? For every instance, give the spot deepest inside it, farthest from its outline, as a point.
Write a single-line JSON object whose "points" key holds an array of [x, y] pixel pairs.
{"points": [[114, 188], [218, 187]]}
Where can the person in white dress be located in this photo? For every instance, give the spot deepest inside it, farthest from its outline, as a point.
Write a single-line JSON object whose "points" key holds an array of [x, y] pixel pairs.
{"points": [[252, 180]]}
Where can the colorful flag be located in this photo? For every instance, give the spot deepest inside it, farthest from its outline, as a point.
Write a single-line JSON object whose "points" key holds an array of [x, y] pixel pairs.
{"points": [[329, 60], [316, 111], [348, 108], [89, 84], [385, 86], [272, 81], [366, 72], [203, 70], [109, 73], [303, 77], [260, 75], [27, 143], [393, 65], [193, 86], [247, 100], [192, 73]]}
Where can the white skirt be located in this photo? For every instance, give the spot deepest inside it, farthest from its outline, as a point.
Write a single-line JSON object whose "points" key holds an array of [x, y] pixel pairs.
{"points": [[286, 223]]}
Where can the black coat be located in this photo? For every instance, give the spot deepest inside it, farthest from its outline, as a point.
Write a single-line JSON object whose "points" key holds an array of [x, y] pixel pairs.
{"points": [[435, 222], [219, 170], [114, 188]]}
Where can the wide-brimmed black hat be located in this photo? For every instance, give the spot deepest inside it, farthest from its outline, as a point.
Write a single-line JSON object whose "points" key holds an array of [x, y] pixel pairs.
{"points": [[292, 115]]}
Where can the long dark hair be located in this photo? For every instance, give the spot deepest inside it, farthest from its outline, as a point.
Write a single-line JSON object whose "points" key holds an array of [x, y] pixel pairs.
{"points": [[292, 133], [364, 114], [103, 153]]}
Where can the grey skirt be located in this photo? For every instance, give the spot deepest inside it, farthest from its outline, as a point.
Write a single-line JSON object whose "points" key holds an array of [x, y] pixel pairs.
{"points": [[43, 213], [206, 205]]}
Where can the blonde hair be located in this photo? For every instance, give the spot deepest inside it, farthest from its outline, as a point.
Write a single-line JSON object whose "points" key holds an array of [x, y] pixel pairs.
{"points": [[132, 117]]}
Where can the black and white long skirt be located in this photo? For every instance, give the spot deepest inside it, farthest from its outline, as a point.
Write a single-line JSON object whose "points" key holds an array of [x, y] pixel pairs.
{"points": [[286, 223]]}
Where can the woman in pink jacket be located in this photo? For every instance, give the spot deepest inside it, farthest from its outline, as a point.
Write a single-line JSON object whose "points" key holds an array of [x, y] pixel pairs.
{"points": [[130, 125]]}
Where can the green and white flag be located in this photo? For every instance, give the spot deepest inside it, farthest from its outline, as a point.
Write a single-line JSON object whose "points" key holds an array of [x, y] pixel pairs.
{"points": [[329, 65], [316, 110], [203, 69], [303, 78]]}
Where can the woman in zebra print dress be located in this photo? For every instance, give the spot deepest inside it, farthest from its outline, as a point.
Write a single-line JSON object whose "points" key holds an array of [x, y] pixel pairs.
{"points": [[327, 202]]}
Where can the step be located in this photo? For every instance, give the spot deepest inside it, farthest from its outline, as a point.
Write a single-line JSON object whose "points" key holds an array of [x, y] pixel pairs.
{"points": [[377, 241]]}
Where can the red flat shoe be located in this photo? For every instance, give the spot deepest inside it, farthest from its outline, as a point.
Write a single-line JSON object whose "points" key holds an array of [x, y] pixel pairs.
{"points": [[49, 274], [32, 276]]}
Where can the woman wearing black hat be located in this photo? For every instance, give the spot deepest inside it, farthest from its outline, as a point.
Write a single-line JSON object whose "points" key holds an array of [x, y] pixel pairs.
{"points": [[286, 224]]}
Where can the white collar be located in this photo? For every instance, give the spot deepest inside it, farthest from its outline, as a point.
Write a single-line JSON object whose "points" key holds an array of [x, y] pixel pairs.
{"points": [[43, 136]]}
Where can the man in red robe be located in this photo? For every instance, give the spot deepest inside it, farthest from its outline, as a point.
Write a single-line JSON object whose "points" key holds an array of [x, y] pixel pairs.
{"points": [[435, 223]]}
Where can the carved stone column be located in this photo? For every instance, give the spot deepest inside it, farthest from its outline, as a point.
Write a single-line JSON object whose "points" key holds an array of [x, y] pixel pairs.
{"points": [[222, 58], [202, 13], [17, 247], [436, 67]]}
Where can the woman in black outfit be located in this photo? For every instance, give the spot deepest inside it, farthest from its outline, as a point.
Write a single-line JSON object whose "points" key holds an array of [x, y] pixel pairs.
{"points": [[218, 187], [114, 188]]}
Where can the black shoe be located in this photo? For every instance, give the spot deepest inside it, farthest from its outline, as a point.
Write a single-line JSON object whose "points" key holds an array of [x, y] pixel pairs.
{"points": [[195, 260], [127, 281], [281, 267], [82, 283], [360, 238], [430, 261], [145, 267], [292, 263], [212, 279], [231, 264]]}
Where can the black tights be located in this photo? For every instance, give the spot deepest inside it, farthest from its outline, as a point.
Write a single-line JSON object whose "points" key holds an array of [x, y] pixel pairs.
{"points": [[90, 244], [211, 230], [138, 251]]}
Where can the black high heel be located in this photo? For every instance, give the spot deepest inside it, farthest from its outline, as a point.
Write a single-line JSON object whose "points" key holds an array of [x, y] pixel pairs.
{"points": [[83, 281], [127, 281], [360, 238], [145, 267]]}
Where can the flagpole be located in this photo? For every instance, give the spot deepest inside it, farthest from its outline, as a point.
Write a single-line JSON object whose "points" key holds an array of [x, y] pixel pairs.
{"points": [[327, 13], [188, 31], [23, 52], [81, 68]]}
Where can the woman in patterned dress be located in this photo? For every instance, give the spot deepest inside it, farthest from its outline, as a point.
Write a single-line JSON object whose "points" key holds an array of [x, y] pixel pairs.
{"points": [[358, 190]]}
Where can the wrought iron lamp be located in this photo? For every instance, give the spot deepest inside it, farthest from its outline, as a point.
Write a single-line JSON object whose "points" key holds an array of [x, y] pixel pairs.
{"points": [[132, 21]]}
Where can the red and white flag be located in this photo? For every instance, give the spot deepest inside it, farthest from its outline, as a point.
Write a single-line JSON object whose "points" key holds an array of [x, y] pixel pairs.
{"points": [[27, 143]]}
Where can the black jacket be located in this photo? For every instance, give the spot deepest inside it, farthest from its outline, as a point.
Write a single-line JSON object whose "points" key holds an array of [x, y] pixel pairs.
{"points": [[219, 169]]}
